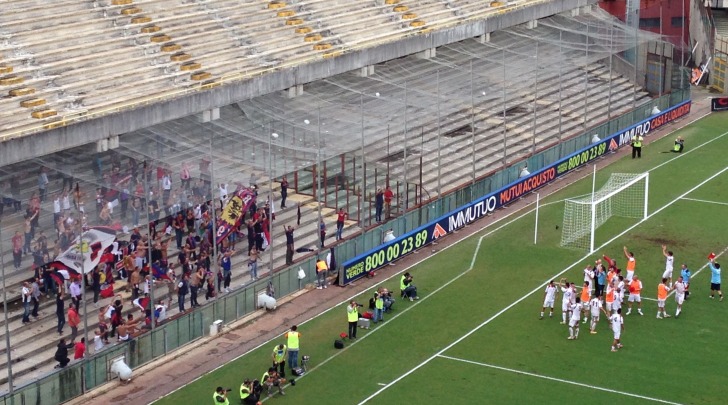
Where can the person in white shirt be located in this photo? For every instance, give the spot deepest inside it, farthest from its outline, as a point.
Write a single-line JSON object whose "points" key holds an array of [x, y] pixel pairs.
{"points": [[589, 276], [56, 208], [679, 287], [223, 190], [618, 293], [617, 322], [160, 312], [566, 293], [75, 290], [98, 341], [549, 297], [66, 202], [669, 262], [575, 318], [595, 306]]}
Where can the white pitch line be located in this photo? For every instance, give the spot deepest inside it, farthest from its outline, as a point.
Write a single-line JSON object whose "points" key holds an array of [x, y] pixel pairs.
{"points": [[705, 201], [538, 289], [545, 377]]}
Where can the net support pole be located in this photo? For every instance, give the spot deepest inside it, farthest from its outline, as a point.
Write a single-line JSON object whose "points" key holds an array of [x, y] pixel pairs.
{"points": [[647, 188], [535, 228], [593, 211]]}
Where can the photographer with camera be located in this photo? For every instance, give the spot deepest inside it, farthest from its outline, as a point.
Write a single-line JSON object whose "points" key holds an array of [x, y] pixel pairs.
{"points": [[272, 379], [220, 396], [250, 392], [279, 358], [352, 315], [407, 288]]}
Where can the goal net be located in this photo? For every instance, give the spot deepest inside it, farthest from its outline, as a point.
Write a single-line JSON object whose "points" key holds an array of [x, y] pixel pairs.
{"points": [[624, 195]]}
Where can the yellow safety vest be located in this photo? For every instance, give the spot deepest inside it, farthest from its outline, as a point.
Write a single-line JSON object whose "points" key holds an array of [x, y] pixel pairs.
{"points": [[244, 391], [677, 146], [379, 303], [353, 316], [637, 141], [279, 353], [401, 283], [265, 378], [321, 266], [293, 340], [214, 399]]}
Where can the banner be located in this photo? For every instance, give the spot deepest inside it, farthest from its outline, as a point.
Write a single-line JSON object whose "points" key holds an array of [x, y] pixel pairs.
{"points": [[85, 253], [719, 104], [361, 265], [232, 214]]}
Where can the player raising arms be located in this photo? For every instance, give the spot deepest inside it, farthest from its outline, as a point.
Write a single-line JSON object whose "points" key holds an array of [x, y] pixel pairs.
{"points": [[669, 261], [549, 297], [631, 263], [566, 294]]}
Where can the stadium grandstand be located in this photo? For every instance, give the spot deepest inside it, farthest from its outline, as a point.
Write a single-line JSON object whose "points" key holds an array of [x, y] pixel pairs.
{"points": [[125, 113]]}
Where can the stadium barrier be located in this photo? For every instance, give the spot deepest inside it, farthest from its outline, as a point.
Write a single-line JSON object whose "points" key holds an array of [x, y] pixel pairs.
{"points": [[80, 377]]}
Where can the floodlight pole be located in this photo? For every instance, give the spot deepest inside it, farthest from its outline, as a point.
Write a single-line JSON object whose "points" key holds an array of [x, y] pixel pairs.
{"points": [[472, 129], [406, 188], [7, 323], [270, 137], [150, 241], [611, 54], [363, 187], [586, 77], [505, 126], [439, 153], [535, 105], [561, 58]]}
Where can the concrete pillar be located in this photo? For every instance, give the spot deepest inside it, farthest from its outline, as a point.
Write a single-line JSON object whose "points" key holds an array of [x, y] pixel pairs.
{"points": [[365, 71], [485, 38], [114, 142], [370, 70], [571, 13], [291, 91], [102, 145], [299, 89], [531, 24], [586, 9], [427, 53], [208, 115]]}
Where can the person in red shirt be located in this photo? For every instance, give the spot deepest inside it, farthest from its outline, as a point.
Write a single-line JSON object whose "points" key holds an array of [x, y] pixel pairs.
{"points": [[79, 349], [340, 218], [388, 196], [73, 321], [17, 249]]}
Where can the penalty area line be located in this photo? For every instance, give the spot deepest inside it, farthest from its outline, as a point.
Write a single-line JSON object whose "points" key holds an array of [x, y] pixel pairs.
{"points": [[705, 201], [561, 380]]}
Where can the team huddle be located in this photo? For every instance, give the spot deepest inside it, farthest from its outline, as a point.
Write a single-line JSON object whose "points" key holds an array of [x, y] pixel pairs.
{"points": [[604, 289]]}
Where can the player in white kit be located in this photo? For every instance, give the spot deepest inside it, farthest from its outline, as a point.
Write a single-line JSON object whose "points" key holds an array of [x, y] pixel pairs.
{"points": [[595, 306], [617, 322], [679, 287], [575, 318], [549, 297], [669, 261], [566, 295], [589, 276]]}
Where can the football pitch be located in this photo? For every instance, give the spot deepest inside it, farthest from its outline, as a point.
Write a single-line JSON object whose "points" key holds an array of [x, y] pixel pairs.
{"points": [[475, 336]]}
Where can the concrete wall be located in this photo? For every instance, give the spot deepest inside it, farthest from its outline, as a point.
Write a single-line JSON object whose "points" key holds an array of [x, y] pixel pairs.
{"points": [[82, 133]]}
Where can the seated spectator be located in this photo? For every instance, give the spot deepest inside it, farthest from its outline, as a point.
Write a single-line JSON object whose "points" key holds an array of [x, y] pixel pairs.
{"points": [[387, 297], [250, 392], [272, 379]]}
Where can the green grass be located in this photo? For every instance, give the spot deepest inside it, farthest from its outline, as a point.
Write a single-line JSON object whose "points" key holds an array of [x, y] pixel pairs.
{"points": [[679, 360]]}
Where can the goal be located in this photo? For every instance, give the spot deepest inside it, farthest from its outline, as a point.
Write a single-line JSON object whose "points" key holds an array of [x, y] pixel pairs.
{"points": [[624, 195]]}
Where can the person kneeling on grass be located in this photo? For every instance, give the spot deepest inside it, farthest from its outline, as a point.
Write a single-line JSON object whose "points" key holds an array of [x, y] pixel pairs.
{"points": [[272, 379], [407, 288], [250, 392], [678, 147]]}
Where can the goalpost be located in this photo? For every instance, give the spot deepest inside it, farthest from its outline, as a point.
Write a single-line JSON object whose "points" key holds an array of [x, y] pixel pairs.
{"points": [[624, 195]]}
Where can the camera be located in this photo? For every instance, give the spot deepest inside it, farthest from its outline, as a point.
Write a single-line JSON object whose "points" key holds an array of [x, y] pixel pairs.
{"points": [[306, 358], [228, 389], [359, 305]]}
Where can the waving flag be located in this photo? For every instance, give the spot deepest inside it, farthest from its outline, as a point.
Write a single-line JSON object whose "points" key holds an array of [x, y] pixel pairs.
{"points": [[232, 215], [158, 272], [87, 250]]}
